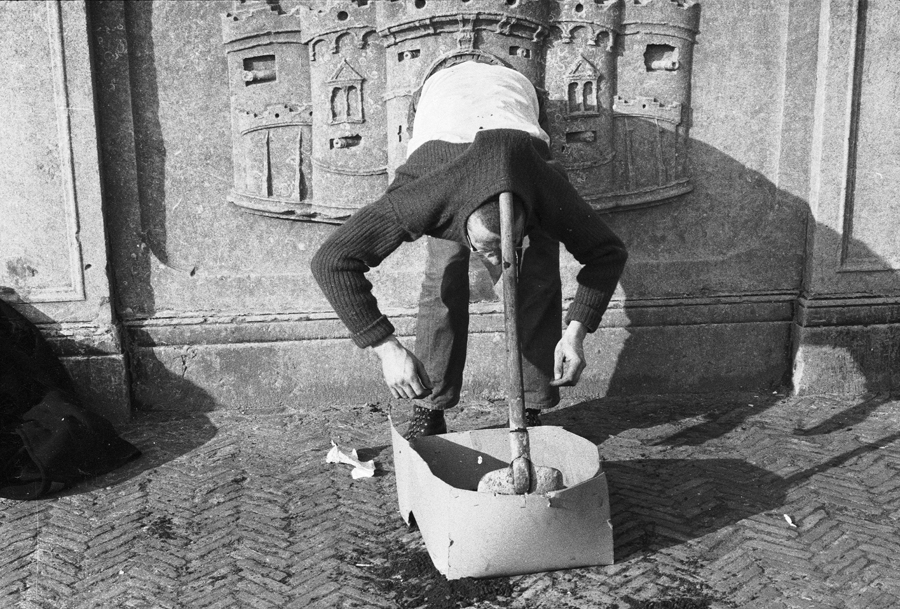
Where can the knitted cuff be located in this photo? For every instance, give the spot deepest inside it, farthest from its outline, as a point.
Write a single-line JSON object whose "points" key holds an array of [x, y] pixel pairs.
{"points": [[380, 329], [586, 314]]}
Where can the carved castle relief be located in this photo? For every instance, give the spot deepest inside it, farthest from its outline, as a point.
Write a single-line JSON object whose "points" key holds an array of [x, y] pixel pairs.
{"points": [[321, 92]]}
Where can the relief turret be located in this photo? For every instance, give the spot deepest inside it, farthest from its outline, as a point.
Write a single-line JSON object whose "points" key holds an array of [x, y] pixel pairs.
{"points": [[581, 82], [346, 58], [652, 103], [271, 111]]}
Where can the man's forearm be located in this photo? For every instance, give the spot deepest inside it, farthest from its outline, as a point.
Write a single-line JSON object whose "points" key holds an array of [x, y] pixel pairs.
{"points": [[340, 268]]}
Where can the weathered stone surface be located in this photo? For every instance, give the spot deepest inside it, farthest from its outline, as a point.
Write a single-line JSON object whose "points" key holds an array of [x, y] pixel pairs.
{"points": [[847, 359], [782, 213], [846, 338], [250, 375]]}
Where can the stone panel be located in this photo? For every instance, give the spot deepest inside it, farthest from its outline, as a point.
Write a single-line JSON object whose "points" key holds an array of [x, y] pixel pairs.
{"points": [[53, 251], [38, 188], [872, 208], [854, 246]]}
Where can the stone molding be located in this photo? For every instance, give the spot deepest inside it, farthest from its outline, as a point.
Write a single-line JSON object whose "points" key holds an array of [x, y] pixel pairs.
{"points": [[847, 311], [222, 328]]}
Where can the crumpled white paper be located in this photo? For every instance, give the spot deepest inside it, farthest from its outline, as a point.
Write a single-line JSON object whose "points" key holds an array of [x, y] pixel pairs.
{"points": [[361, 469]]}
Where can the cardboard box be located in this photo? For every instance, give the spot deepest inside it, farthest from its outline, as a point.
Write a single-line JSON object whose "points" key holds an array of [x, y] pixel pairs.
{"points": [[472, 534]]}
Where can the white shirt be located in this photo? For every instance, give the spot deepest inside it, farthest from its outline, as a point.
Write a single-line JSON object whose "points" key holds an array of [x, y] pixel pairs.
{"points": [[457, 102]]}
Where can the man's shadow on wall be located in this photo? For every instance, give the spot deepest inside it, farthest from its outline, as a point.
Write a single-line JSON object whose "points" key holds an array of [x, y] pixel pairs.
{"points": [[664, 502]]}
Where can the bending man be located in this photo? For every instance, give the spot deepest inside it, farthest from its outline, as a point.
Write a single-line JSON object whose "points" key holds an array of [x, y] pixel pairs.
{"points": [[476, 134]]}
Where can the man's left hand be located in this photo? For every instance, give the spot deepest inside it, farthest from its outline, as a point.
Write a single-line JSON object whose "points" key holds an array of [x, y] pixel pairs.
{"points": [[568, 358]]}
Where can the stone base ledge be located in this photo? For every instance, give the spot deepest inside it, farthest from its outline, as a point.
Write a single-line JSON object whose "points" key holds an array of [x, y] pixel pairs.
{"points": [[264, 375], [855, 311]]}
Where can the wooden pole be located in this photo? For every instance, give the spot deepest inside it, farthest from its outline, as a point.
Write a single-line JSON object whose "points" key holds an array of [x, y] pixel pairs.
{"points": [[518, 434]]}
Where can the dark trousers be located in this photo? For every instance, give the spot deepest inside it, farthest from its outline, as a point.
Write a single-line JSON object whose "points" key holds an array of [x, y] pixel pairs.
{"points": [[442, 324]]}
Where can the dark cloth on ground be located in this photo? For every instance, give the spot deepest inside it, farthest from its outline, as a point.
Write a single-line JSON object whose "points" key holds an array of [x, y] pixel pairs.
{"points": [[48, 440], [434, 193]]}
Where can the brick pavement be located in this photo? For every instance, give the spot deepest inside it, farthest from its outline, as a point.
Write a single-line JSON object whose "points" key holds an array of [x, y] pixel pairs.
{"points": [[718, 501]]}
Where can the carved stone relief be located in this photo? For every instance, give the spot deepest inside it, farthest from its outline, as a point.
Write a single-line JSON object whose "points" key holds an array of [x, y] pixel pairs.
{"points": [[271, 109], [321, 93]]}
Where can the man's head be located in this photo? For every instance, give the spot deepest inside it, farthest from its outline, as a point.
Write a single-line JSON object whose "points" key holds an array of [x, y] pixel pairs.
{"points": [[483, 228]]}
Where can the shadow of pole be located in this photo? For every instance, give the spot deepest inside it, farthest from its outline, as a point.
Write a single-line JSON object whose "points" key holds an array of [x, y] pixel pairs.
{"points": [[657, 503]]}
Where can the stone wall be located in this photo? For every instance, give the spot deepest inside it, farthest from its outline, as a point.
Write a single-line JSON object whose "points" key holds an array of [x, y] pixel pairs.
{"points": [[234, 135]]}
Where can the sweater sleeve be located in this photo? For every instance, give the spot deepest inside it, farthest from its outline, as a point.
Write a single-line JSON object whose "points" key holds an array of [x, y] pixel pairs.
{"points": [[340, 265], [603, 263], [586, 236]]}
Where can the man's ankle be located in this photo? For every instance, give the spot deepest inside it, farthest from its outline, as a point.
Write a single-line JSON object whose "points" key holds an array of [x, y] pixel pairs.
{"points": [[425, 422]]}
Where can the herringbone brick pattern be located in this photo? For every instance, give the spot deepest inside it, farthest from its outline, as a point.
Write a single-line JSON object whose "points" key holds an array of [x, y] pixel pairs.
{"points": [[741, 501]]}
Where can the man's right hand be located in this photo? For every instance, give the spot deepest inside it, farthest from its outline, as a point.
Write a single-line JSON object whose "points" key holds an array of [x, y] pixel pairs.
{"points": [[403, 372]]}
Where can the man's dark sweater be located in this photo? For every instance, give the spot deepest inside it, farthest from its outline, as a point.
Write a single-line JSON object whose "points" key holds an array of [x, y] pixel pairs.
{"points": [[434, 193]]}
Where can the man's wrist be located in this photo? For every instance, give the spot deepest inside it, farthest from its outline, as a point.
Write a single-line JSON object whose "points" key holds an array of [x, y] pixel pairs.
{"points": [[576, 330], [385, 345]]}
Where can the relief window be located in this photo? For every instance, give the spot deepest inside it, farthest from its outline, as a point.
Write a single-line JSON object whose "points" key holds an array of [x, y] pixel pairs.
{"points": [[346, 95], [259, 69], [346, 104], [588, 98], [353, 103], [347, 141], [581, 137], [574, 106], [582, 97], [410, 54], [515, 51], [661, 58]]}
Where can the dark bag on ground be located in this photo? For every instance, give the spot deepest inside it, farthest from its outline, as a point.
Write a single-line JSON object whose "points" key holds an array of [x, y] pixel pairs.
{"points": [[48, 441]]}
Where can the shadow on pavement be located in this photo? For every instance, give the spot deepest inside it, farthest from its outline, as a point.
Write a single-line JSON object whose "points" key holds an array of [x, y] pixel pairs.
{"points": [[713, 415], [657, 502], [171, 422]]}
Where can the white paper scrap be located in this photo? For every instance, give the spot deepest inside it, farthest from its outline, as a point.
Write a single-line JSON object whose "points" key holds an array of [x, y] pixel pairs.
{"points": [[361, 469]]}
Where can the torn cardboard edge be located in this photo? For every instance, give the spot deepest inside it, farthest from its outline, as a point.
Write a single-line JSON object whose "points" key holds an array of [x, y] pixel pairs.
{"points": [[472, 534]]}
